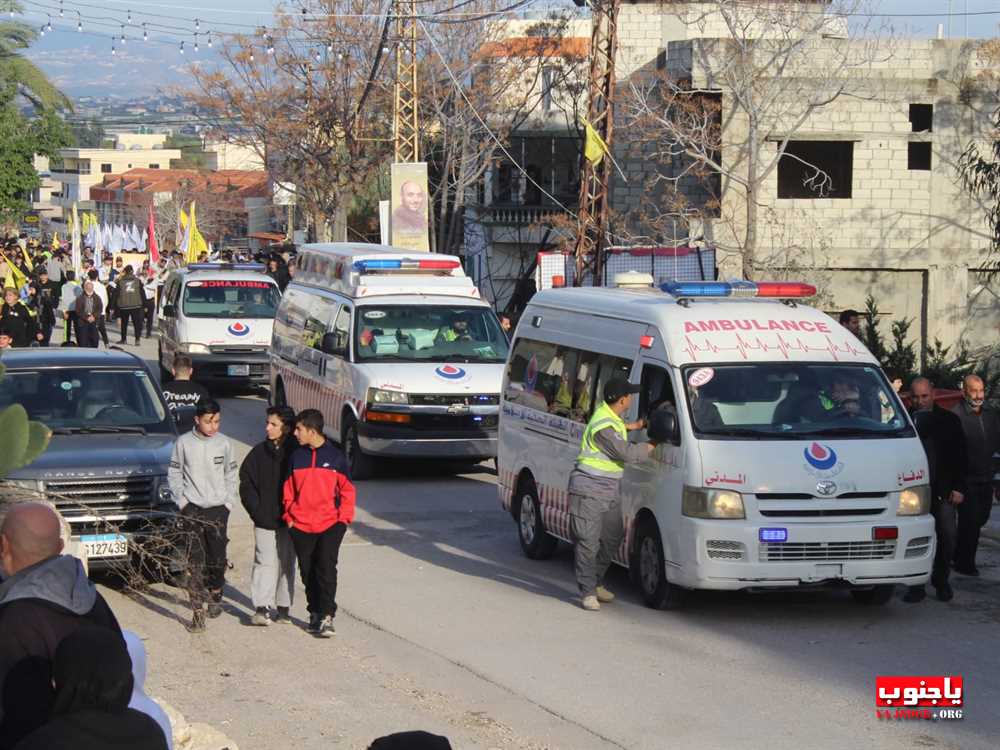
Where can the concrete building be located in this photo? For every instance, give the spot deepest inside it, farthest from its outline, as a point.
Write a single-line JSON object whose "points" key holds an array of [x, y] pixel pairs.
{"points": [[231, 204], [892, 220], [223, 155], [41, 196], [77, 169]]}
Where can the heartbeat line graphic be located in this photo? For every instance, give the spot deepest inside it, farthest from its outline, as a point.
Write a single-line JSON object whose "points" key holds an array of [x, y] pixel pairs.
{"points": [[743, 346]]}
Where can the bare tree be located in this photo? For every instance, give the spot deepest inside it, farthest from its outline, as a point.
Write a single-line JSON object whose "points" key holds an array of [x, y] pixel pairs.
{"points": [[718, 120]]}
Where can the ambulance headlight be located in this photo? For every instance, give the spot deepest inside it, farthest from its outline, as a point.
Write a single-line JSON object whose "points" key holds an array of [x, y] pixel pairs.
{"points": [[192, 348], [914, 501], [379, 396], [700, 502]]}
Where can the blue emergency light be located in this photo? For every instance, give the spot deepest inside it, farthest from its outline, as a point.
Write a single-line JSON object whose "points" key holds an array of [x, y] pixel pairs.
{"points": [[738, 288], [773, 535], [404, 264]]}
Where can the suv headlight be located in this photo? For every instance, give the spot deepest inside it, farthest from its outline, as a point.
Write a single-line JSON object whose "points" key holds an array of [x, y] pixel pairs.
{"points": [[379, 396], [700, 502], [914, 501], [192, 348]]}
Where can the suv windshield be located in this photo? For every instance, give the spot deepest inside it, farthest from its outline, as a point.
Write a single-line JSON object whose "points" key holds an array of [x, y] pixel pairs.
{"points": [[230, 299], [82, 400], [437, 333], [793, 401]]}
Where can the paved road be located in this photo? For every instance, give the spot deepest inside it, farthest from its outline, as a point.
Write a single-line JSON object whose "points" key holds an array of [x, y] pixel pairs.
{"points": [[444, 625]]}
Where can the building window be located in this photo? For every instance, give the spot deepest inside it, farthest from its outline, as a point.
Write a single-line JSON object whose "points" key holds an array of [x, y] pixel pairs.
{"points": [[105, 169], [154, 166], [921, 118], [548, 82], [816, 169], [83, 166], [918, 155]]}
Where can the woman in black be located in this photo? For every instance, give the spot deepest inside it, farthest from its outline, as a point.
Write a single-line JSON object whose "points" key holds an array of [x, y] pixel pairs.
{"points": [[92, 675], [16, 318]]}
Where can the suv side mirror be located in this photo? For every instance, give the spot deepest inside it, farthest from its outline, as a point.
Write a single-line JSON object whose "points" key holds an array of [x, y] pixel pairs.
{"points": [[169, 311], [662, 427], [331, 344]]}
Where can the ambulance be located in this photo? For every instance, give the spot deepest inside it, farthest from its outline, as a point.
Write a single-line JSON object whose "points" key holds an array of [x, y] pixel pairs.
{"points": [[784, 458], [397, 349], [221, 316]]}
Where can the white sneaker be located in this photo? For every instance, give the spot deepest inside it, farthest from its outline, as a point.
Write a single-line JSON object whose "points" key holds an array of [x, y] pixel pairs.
{"points": [[604, 596], [590, 603]]}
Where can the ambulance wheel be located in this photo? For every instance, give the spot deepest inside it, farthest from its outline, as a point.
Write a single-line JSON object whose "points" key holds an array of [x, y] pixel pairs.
{"points": [[536, 542], [649, 564], [875, 596], [359, 461]]}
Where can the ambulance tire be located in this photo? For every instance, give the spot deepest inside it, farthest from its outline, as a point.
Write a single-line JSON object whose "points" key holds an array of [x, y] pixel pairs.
{"points": [[875, 596], [536, 542], [649, 568], [362, 466]]}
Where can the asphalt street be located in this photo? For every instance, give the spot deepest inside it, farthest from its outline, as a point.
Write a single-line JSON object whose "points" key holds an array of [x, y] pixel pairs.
{"points": [[445, 626]]}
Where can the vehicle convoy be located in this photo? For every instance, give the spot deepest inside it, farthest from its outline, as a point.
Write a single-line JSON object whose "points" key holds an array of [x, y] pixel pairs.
{"points": [[222, 316], [105, 468], [784, 458], [397, 349]]}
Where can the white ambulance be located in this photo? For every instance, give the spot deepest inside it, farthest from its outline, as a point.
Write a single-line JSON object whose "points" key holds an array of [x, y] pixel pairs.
{"points": [[397, 349], [784, 458], [221, 315]]}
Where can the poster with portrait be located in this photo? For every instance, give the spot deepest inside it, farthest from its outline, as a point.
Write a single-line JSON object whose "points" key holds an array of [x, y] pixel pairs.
{"points": [[409, 206]]}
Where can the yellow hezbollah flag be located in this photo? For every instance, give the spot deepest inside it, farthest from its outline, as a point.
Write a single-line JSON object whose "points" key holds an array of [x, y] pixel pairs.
{"points": [[594, 147], [196, 243]]}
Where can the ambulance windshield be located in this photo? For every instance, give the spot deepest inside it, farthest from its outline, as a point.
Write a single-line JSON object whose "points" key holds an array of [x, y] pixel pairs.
{"points": [[432, 333], [793, 401]]}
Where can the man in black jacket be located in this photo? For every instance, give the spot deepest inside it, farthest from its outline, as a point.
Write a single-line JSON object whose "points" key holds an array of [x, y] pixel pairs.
{"points": [[262, 475], [982, 440], [944, 443], [45, 596], [131, 303]]}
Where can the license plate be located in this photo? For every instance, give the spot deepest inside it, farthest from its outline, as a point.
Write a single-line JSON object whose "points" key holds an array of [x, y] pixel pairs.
{"points": [[238, 370], [105, 545]]}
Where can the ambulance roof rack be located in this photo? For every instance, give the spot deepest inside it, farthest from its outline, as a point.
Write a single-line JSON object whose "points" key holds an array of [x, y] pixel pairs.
{"points": [[226, 267], [685, 291]]}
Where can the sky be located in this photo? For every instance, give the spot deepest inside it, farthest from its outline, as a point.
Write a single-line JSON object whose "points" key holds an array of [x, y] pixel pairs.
{"points": [[82, 63]]}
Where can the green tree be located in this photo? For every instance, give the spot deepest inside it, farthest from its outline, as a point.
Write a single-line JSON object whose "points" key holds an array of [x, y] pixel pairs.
{"points": [[899, 359], [28, 79], [20, 140]]}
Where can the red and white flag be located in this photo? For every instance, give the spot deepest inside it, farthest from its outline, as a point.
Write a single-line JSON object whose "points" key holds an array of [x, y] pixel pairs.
{"points": [[154, 251]]}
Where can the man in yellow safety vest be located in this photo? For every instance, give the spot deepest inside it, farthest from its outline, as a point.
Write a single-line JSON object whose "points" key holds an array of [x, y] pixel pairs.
{"points": [[594, 492]]}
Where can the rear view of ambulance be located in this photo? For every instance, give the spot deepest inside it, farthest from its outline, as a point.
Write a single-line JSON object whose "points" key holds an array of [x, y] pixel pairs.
{"points": [[396, 349], [784, 457]]}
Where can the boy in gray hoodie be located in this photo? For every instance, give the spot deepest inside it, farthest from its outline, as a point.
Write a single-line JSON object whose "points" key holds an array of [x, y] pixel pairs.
{"points": [[204, 480]]}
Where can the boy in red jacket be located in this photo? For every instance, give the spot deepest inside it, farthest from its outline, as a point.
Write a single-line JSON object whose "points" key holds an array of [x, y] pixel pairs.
{"points": [[319, 503]]}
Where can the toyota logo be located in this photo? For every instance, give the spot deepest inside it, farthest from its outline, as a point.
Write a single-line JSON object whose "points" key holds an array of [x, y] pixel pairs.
{"points": [[826, 488]]}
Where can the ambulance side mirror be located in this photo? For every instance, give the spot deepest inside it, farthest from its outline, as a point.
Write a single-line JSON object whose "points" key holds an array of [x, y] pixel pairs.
{"points": [[662, 427], [333, 344], [169, 311]]}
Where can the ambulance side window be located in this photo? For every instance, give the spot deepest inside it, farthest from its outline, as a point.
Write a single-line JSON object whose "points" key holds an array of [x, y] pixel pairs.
{"points": [[342, 329], [656, 389], [607, 368], [319, 321], [529, 375]]}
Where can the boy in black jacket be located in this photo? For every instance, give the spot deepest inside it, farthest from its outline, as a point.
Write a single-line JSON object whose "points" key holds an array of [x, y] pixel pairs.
{"points": [[272, 579]]}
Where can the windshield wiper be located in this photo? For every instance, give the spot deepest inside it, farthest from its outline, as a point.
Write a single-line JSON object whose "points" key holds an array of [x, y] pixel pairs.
{"points": [[130, 428], [65, 430], [849, 432], [766, 434]]}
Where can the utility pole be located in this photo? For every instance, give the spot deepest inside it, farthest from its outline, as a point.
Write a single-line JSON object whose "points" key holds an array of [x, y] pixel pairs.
{"points": [[405, 123], [595, 178]]}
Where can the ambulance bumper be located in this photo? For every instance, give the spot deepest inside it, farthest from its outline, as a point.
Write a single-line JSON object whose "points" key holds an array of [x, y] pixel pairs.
{"points": [[814, 555], [401, 442], [237, 369]]}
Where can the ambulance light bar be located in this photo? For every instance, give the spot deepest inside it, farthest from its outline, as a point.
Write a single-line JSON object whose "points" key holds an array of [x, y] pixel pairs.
{"points": [[775, 289], [226, 267], [405, 264]]}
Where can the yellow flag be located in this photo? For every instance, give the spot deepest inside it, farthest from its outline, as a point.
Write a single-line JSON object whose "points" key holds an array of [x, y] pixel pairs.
{"points": [[594, 147], [196, 243], [27, 260]]}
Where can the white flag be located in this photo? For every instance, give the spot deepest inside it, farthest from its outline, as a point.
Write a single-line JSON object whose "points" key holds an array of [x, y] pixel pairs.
{"points": [[77, 241]]}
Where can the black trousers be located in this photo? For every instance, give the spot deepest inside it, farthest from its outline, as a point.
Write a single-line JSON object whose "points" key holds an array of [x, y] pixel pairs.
{"points": [[318, 555], [205, 536], [86, 333], [150, 312], [973, 514], [135, 315], [946, 528]]}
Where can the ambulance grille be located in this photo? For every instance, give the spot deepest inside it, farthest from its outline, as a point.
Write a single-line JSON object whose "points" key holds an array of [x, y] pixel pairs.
{"points": [[448, 399], [723, 549], [918, 547], [880, 549]]}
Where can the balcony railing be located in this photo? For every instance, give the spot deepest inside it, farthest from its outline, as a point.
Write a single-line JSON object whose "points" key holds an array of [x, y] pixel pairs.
{"points": [[520, 215]]}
